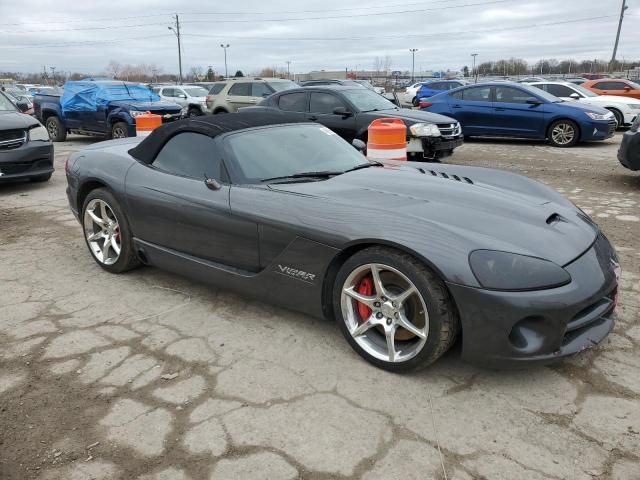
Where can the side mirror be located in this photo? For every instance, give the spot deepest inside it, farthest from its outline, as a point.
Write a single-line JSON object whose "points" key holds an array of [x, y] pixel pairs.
{"points": [[575, 96], [359, 145], [341, 111], [22, 105], [627, 88], [182, 95], [533, 101]]}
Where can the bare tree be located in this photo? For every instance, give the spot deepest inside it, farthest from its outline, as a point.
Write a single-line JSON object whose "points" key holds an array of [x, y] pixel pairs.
{"points": [[113, 68], [386, 63]]}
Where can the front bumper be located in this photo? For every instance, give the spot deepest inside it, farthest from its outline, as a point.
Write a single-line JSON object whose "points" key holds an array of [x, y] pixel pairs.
{"points": [[31, 159], [598, 130], [429, 146], [512, 328], [629, 151]]}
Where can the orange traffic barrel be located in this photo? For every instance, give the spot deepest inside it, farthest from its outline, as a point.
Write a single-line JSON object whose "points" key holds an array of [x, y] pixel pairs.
{"points": [[146, 122], [387, 139]]}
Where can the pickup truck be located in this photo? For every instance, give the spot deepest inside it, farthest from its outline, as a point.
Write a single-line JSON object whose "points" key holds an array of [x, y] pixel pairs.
{"points": [[101, 108]]}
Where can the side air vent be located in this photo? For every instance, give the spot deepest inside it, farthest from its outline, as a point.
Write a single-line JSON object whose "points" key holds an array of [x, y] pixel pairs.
{"points": [[554, 218], [451, 177]]}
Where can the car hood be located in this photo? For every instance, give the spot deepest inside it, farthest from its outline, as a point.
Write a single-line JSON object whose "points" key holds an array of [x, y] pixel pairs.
{"points": [[150, 106], [582, 106], [16, 120], [413, 116], [612, 99], [487, 209]]}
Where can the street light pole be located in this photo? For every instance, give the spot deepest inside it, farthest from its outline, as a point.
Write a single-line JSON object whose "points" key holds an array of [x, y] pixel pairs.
{"points": [[413, 62], [474, 72], [288, 69], [615, 47], [176, 31], [53, 74], [226, 73]]}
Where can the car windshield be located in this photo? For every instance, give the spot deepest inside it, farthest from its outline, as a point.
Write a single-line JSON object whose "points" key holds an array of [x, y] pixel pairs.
{"points": [[6, 105], [537, 92], [584, 91], [366, 100], [280, 85], [287, 150], [196, 91]]}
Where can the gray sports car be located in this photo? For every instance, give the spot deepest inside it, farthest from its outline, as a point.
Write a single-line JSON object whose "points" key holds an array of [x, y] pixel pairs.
{"points": [[405, 257]]}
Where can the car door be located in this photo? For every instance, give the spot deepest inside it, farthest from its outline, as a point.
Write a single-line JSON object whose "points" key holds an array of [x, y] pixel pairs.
{"points": [[239, 95], [295, 103], [167, 93], [259, 91], [563, 92], [321, 107], [170, 205], [610, 87], [473, 108], [513, 116]]}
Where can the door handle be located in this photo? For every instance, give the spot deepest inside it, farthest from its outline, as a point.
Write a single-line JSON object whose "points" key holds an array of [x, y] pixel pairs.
{"points": [[313, 118], [500, 109], [457, 106]]}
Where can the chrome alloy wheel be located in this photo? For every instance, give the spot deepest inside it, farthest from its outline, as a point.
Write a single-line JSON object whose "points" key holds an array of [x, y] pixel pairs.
{"points": [[102, 231], [119, 132], [52, 128], [563, 133], [396, 326]]}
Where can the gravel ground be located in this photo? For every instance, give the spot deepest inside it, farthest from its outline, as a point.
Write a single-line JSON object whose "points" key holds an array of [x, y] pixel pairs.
{"points": [[152, 376]]}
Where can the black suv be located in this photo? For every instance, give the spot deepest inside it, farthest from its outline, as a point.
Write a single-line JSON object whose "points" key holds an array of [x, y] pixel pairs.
{"points": [[629, 153]]}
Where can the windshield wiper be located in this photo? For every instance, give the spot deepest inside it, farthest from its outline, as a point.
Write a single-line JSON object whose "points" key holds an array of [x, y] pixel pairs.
{"points": [[325, 174], [365, 165]]}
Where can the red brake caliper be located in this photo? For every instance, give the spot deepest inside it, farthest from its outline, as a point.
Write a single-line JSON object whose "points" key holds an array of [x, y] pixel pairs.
{"points": [[365, 287]]}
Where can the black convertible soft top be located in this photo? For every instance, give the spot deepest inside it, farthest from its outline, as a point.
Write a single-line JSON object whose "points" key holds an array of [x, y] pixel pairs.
{"points": [[211, 125]]}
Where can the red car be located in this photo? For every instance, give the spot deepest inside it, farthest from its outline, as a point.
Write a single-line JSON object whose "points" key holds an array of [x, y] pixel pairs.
{"points": [[614, 86]]}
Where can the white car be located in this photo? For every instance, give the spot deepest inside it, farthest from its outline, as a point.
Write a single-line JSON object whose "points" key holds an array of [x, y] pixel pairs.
{"points": [[192, 98], [411, 92], [625, 109], [367, 83]]}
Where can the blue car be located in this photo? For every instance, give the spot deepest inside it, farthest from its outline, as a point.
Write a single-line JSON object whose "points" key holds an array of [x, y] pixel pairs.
{"points": [[506, 109], [438, 86]]}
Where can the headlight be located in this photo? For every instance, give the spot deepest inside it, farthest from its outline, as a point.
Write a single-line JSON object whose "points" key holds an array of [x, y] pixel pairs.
{"points": [[600, 116], [135, 113], [509, 271], [424, 130], [38, 133]]}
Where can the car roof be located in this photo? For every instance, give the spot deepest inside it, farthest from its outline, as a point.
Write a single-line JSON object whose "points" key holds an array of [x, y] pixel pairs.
{"points": [[210, 125], [332, 87], [551, 82]]}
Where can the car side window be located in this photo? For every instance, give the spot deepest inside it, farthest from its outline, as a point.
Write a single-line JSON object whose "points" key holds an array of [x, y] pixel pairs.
{"points": [[293, 102], [241, 90], [217, 88], [610, 86], [168, 92], [260, 89], [434, 86], [457, 95], [559, 90], [476, 94], [192, 155], [511, 95], [324, 102]]}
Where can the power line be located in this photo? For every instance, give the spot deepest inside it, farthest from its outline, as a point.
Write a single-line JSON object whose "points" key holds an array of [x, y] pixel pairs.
{"points": [[81, 43]]}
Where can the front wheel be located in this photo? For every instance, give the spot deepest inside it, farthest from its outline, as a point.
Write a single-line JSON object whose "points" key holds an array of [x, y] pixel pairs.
{"points": [[563, 133], [194, 112], [415, 102], [618, 115], [120, 130], [56, 130], [107, 232], [393, 310]]}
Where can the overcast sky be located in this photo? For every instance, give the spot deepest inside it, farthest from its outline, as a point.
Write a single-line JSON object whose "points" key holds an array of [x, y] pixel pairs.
{"points": [[330, 35]]}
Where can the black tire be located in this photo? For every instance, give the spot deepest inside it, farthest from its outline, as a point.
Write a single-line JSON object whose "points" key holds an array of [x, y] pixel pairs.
{"points": [[220, 110], [119, 130], [41, 178], [619, 117], [56, 130], [415, 102], [444, 324], [194, 112], [567, 124], [128, 259]]}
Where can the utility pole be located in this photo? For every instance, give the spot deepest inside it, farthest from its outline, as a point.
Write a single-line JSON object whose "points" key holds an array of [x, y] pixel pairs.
{"points": [[413, 62], [288, 69], [226, 73], [615, 47], [474, 71], [53, 75], [176, 30]]}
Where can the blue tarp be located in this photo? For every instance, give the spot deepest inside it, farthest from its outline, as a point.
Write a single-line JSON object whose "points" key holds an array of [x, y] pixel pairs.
{"points": [[83, 96]]}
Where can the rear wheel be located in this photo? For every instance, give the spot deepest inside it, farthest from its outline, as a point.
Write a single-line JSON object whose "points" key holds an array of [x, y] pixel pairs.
{"points": [[194, 112], [107, 232], [56, 130], [415, 102], [393, 310], [563, 133], [120, 130]]}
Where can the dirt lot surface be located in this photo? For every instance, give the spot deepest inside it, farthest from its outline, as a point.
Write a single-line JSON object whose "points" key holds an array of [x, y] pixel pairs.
{"points": [[151, 376]]}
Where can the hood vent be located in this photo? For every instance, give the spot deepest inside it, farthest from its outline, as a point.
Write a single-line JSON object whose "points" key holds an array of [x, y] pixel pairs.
{"points": [[451, 177]]}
